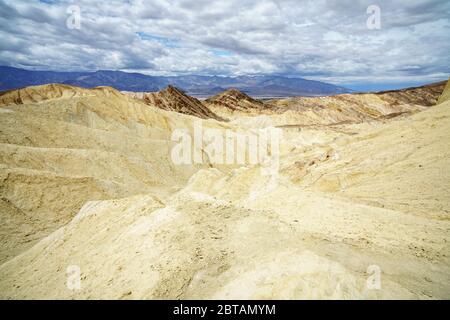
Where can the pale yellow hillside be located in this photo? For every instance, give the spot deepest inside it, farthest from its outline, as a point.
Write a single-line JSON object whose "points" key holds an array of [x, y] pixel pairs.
{"points": [[61, 146], [369, 197], [445, 96]]}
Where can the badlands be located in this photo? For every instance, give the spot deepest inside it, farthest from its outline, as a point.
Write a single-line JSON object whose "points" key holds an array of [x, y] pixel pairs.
{"points": [[94, 207]]}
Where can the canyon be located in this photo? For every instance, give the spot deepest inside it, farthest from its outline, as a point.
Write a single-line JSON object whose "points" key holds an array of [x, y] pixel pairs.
{"points": [[88, 180]]}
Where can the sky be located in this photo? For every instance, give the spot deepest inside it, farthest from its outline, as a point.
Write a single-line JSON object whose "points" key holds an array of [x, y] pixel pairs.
{"points": [[357, 44]]}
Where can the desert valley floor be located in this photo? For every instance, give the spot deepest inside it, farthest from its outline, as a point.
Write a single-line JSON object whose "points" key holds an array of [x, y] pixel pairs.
{"points": [[87, 180]]}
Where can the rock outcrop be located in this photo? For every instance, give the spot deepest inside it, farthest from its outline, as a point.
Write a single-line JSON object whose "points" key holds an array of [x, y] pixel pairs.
{"points": [[173, 99], [234, 99]]}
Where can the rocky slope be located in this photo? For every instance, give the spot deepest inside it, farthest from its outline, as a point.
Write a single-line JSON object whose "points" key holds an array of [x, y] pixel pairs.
{"points": [[233, 101], [331, 110], [61, 146], [369, 196], [38, 94], [445, 96], [356, 108], [173, 99]]}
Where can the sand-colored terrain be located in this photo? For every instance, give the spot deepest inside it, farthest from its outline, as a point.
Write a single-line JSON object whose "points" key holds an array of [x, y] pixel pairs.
{"points": [[62, 146], [445, 96], [88, 181], [343, 108]]}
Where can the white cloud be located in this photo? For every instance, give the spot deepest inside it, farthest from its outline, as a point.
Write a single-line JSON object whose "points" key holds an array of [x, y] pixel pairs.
{"points": [[324, 40]]}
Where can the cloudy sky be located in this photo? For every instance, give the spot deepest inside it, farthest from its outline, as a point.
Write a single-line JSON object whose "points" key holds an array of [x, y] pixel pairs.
{"points": [[320, 39]]}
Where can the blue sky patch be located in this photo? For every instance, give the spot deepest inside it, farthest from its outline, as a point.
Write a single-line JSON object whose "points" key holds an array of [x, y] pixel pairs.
{"points": [[221, 53], [168, 42]]}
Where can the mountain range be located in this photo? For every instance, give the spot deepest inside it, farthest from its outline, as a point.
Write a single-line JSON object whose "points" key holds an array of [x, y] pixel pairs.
{"points": [[263, 86]]}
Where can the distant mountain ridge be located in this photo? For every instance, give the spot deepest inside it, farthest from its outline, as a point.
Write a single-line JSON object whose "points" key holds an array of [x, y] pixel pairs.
{"points": [[199, 86]]}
